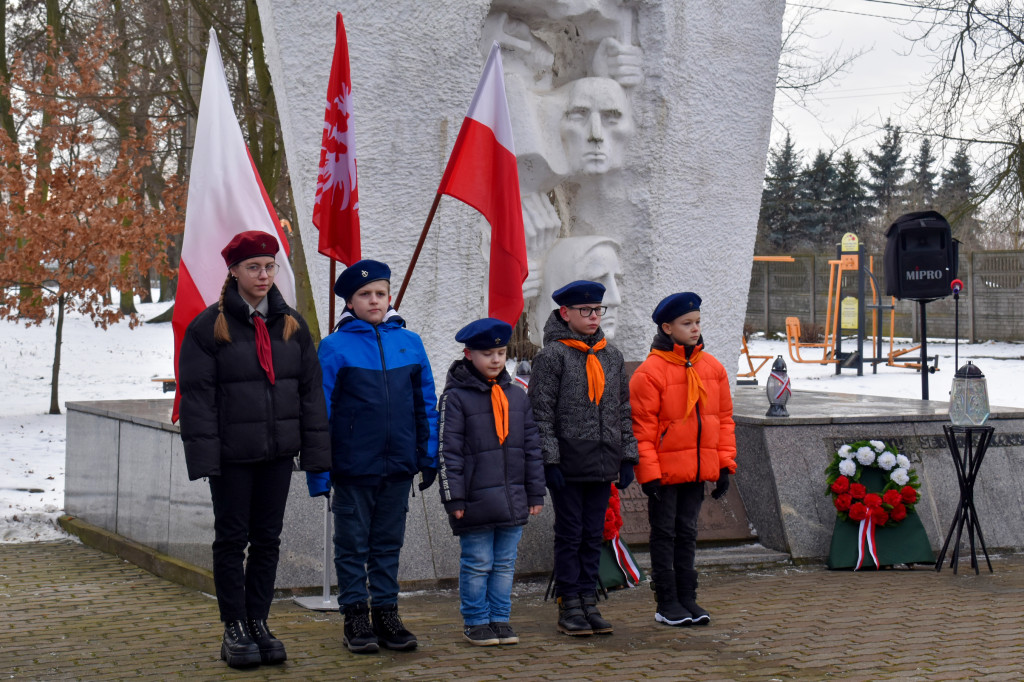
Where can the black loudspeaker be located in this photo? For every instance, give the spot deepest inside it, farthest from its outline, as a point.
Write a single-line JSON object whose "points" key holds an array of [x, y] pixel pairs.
{"points": [[921, 256]]}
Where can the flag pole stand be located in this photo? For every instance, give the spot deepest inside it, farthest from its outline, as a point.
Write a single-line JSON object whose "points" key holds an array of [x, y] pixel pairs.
{"points": [[416, 253], [323, 602]]}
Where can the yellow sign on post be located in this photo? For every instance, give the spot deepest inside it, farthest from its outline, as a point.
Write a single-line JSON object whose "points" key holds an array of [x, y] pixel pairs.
{"points": [[848, 312], [849, 242]]}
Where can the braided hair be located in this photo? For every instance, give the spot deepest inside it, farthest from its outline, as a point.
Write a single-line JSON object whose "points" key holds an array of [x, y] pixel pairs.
{"points": [[220, 327]]}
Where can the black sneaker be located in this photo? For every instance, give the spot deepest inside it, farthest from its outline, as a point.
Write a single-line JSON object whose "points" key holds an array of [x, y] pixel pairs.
{"points": [[238, 650], [671, 612], [700, 615], [505, 633], [390, 630], [481, 635], [271, 649], [359, 637]]}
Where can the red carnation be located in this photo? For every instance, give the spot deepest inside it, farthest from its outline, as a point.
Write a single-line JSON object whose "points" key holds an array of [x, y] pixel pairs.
{"points": [[892, 497], [899, 512], [858, 491], [841, 485], [843, 501], [879, 516], [858, 512], [909, 494], [873, 500]]}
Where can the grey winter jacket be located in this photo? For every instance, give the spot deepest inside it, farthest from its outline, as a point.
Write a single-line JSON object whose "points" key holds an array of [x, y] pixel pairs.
{"points": [[588, 442]]}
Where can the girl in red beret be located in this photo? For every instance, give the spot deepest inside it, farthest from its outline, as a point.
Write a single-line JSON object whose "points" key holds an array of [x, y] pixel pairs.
{"points": [[251, 401]]}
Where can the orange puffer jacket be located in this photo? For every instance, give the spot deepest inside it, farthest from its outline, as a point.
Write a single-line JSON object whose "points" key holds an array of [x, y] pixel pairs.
{"points": [[668, 443]]}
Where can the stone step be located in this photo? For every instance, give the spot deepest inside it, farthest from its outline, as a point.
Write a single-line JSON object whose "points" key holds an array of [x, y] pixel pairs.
{"points": [[729, 558]]}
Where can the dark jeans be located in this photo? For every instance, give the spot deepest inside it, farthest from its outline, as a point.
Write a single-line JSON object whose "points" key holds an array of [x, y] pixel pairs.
{"points": [[248, 509], [579, 531], [673, 518], [369, 529]]}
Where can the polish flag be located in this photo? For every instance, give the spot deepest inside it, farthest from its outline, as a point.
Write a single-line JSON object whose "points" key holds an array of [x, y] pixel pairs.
{"points": [[225, 197], [336, 212], [482, 172]]}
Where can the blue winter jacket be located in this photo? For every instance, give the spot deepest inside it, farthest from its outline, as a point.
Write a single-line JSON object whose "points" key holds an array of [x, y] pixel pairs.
{"points": [[380, 403]]}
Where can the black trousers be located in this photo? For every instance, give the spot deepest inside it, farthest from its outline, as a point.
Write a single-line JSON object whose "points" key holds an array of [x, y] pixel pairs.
{"points": [[579, 531], [673, 518], [248, 510]]}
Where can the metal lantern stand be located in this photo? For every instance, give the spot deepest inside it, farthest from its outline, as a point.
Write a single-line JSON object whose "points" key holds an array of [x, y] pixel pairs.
{"points": [[967, 462], [324, 602]]}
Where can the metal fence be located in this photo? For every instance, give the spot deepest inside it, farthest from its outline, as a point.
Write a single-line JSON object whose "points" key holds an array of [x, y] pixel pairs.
{"points": [[991, 306]]}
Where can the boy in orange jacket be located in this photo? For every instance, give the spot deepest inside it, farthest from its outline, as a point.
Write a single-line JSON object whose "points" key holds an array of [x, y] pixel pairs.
{"points": [[682, 420]]}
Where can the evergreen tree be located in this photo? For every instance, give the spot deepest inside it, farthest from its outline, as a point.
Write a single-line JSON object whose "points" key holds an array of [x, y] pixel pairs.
{"points": [[778, 220], [957, 197], [886, 169], [814, 208], [921, 187], [849, 200]]}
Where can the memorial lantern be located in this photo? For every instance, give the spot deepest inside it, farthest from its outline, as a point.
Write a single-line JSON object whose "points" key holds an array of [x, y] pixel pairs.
{"points": [[968, 400], [778, 389]]}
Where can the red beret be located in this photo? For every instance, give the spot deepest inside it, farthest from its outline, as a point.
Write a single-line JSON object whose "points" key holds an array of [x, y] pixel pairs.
{"points": [[249, 245]]}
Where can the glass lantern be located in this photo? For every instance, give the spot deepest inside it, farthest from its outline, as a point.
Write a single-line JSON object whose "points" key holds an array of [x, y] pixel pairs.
{"points": [[778, 389], [968, 401]]}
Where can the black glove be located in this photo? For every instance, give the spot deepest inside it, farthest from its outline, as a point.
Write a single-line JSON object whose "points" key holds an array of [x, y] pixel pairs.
{"points": [[625, 476], [652, 488], [722, 487], [429, 476], [553, 476]]}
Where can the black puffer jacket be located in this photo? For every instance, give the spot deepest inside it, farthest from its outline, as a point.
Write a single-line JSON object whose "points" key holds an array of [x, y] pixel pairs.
{"points": [[495, 484], [230, 412], [589, 442]]}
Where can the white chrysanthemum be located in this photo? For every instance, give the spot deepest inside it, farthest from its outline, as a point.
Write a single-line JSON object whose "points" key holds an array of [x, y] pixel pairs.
{"points": [[847, 467], [846, 452], [902, 462], [899, 476], [877, 445], [866, 456], [887, 461]]}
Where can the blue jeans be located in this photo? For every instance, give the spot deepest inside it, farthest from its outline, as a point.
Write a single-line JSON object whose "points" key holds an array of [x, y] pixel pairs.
{"points": [[486, 569], [369, 530]]}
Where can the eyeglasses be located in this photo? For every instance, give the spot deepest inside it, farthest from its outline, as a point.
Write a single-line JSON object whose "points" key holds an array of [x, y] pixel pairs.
{"points": [[254, 270], [587, 312]]}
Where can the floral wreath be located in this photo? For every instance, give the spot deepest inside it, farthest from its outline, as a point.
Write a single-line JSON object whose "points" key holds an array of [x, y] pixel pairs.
{"points": [[852, 501]]}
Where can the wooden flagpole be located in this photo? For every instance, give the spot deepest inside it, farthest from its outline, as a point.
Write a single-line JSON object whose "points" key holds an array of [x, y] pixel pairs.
{"points": [[330, 297], [416, 253]]}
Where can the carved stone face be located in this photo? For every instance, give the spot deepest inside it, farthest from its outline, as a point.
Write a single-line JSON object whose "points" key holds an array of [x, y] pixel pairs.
{"points": [[594, 258], [596, 125]]}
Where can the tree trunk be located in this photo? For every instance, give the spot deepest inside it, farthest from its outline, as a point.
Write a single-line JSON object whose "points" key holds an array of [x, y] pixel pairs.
{"points": [[127, 302], [54, 404]]}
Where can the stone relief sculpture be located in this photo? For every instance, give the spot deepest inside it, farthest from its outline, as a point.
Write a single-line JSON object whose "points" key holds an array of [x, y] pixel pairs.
{"points": [[569, 66]]}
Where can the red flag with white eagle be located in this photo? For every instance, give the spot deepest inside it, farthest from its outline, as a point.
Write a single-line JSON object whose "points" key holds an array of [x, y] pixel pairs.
{"points": [[336, 212], [482, 172], [225, 197]]}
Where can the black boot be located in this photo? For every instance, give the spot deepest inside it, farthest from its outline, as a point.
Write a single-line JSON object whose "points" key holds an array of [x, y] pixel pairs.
{"points": [[670, 611], [686, 584], [571, 619], [271, 649], [238, 649], [359, 637], [389, 628], [598, 624]]}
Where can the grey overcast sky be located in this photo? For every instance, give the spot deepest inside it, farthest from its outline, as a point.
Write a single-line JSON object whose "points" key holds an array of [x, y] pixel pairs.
{"points": [[877, 85]]}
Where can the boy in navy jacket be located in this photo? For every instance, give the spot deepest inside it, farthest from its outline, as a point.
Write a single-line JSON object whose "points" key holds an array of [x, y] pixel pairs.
{"points": [[492, 476], [380, 402]]}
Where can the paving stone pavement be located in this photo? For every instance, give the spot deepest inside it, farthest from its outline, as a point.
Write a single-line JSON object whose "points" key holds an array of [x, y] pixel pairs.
{"points": [[70, 612]]}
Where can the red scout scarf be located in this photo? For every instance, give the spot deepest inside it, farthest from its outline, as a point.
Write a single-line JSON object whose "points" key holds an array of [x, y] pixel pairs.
{"points": [[499, 403], [695, 391], [595, 373], [263, 351]]}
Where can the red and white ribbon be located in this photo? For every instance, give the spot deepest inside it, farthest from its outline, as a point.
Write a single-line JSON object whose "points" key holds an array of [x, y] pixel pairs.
{"points": [[866, 538], [626, 563]]}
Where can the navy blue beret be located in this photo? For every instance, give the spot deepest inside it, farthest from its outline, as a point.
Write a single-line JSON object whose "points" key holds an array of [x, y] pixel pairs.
{"points": [[580, 292], [675, 305], [358, 275], [485, 334]]}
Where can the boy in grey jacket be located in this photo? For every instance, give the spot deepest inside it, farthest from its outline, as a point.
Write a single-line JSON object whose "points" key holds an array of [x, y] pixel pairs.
{"points": [[580, 397]]}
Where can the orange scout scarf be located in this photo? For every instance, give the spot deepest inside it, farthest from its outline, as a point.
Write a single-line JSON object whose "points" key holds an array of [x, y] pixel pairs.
{"points": [[595, 373], [499, 403], [695, 391]]}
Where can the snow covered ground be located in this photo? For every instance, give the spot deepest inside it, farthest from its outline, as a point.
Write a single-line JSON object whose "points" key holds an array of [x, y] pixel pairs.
{"points": [[121, 362]]}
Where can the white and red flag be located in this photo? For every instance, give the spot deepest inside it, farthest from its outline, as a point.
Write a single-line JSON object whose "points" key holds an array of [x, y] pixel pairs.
{"points": [[336, 212], [482, 172], [225, 197]]}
